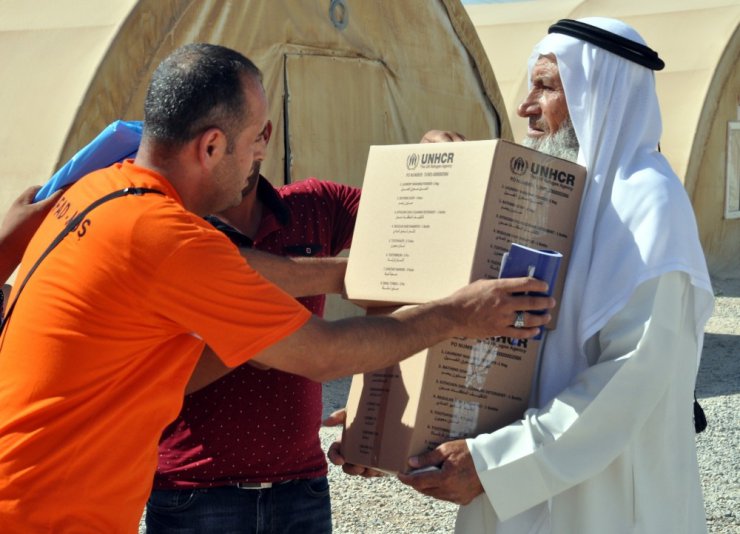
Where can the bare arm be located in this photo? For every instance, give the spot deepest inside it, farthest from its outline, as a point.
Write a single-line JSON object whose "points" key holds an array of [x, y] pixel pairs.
{"points": [[299, 277], [325, 350]]}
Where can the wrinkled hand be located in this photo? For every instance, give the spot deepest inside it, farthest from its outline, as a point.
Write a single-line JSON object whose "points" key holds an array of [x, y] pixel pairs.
{"points": [[442, 136], [335, 450], [456, 481], [21, 222]]}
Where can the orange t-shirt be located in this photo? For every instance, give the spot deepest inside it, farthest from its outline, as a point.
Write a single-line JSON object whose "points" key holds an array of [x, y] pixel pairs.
{"points": [[95, 358]]}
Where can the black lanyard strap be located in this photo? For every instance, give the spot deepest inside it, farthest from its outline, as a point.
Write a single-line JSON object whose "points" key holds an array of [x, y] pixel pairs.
{"points": [[71, 227]]}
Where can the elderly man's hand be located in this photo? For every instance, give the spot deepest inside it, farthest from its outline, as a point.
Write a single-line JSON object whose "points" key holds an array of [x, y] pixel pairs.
{"points": [[441, 136], [335, 450], [456, 480]]}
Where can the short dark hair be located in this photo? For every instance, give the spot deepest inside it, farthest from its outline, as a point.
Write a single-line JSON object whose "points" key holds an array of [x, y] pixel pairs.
{"points": [[198, 86]]}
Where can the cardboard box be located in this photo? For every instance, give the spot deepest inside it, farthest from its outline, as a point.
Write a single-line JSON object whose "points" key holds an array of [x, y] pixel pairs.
{"points": [[456, 389], [432, 218]]}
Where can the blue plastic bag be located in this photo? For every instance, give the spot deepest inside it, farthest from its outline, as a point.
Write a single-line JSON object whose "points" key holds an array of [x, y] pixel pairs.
{"points": [[117, 142]]}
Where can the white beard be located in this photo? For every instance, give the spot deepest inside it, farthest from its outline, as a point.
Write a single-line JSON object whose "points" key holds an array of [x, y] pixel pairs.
{"points": [[562, 144]]}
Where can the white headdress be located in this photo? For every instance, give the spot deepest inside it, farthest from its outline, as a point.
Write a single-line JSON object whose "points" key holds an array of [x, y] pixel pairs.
{"points": [[636, 221]]}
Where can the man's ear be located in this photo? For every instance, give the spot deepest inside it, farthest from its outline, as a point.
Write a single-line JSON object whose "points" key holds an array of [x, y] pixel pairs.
{"points": [[211, 147], [268, 132]]}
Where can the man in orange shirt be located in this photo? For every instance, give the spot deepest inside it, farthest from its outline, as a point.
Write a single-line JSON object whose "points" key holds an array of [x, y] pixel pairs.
{"points": [[105, 332]]}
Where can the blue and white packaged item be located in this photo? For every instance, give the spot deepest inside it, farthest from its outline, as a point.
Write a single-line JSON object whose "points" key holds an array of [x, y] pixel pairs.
{"points": [[117, 142], [541, 264]]}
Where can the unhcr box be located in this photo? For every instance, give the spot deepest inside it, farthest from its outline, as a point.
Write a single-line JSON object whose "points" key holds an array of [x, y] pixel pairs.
{"points": [[432, 218], [456, 389]]}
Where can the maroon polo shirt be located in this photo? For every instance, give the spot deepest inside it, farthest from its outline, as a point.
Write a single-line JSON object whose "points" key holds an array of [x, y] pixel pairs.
{"points": [[257, 425]]}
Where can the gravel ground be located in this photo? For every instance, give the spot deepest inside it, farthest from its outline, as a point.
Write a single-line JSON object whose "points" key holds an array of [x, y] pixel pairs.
{"points": [[385, 506], [718, 389]]}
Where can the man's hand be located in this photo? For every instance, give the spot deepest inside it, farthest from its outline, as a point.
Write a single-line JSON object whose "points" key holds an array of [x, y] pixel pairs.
{"points": [[335, 450], [456, 481], [488, 308], [19, 225]]}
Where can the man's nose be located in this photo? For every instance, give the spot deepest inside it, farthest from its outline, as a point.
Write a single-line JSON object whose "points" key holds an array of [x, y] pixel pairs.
{"points": [[527, 108]]}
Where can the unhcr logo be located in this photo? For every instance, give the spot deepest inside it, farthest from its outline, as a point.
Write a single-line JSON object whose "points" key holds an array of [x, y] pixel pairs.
{"points": [[437, 158], [412, 161], [518, 165]]}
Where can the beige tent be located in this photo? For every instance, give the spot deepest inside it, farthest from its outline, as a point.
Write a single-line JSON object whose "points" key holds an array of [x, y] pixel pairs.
{"points": [[699, 91], [341, 75]]}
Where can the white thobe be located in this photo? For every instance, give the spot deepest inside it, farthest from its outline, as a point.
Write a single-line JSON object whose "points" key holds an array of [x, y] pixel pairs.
{"points": [[615, 451]]}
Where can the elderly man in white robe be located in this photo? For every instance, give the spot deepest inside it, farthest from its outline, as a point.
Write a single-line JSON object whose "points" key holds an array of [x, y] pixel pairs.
{"points": [[608, 445]]}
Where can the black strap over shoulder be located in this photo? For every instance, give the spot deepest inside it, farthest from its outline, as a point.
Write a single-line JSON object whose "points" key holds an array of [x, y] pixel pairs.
{"points": [[71, 227]]}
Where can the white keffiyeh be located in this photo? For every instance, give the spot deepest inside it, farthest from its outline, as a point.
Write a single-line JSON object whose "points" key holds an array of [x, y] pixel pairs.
{"points": [[636, 221]]}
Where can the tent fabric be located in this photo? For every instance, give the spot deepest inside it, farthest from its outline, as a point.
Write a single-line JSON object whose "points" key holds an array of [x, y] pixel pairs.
{"points": [[708, 165], [421, 63], [50, 51], [340, 75]]}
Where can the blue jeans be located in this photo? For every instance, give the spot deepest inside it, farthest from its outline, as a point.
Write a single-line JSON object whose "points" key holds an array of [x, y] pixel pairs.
{"points": [[301, 506]]}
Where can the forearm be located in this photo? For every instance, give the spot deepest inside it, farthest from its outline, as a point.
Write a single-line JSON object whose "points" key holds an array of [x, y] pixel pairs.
{"points": [[347, 346], [299, 277], [328, 350], [9, 260], [12, 248], [325, 351]]}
